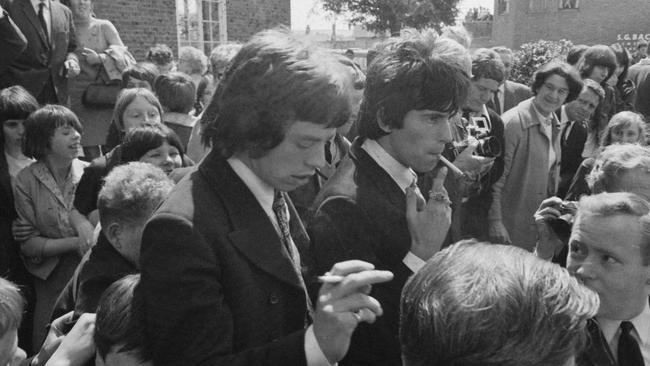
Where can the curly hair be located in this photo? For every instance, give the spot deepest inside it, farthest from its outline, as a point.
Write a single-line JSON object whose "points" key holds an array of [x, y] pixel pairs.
{"points": [[561, 69]]}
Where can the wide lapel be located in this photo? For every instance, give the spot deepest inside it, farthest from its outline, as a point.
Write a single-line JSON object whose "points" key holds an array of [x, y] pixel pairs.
{"points": [[508, 96], [31, 15], [253, 233], [378, 177], [43, 174]]}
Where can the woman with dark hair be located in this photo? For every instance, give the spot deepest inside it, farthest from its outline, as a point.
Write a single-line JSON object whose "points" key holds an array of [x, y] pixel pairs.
{"points": [[624, 89], [531, 155], [44, 194], [15, 106], [157, 145], [598, 63]]}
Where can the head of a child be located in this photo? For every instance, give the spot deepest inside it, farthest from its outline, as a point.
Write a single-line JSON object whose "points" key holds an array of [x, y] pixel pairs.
{"points": [[11, 313], [130, 194], [118, 331], [136, 107], [625, 128], [176, 92], [157, 145]]}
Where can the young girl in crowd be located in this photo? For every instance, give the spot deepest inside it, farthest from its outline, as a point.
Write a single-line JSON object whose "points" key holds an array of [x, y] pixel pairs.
{"points": [[44, 194], [156, 145], [624, 128], [15, 105], [176, 94]]}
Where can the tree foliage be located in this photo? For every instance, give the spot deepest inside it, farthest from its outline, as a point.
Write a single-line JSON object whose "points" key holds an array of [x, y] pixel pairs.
{"points": [[531, 56], [393, 15]]}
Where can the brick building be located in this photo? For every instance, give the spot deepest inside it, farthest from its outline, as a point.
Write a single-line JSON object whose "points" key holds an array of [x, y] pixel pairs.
{"points": [[581, 21], [200, 23]]}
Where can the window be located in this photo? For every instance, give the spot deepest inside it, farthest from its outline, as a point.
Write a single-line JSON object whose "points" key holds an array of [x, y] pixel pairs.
{"points": [[538, 6], [503, 6], [201, 23], [569, 4]]}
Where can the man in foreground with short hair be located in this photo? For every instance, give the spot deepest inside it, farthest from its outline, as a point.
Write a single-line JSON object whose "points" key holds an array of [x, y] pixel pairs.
{"points": [[478, 304]]}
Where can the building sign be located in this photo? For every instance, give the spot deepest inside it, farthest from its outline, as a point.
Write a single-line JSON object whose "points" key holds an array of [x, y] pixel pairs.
{"points": [[629, 40]]}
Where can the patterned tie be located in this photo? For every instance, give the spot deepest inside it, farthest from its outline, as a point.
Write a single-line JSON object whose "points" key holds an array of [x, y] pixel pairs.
{"points": [[41, 18], [281, 210], [629, 353]]}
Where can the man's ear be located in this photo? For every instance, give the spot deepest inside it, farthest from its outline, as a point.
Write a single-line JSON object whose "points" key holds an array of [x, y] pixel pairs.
{"points": [[113, 233], [381, 121]]}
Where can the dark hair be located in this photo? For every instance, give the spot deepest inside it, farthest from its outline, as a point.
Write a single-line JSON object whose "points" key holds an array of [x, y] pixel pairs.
{"points": [[41, 125], [145, 71], [575, 53], [641, 43], [487, 64], [413, 74], [274, 80], [206, 81], [598, 55], [15, 103], [175, 91], [120, 319], [623, 59], [562, 69], [142, 139], [160, 54]]}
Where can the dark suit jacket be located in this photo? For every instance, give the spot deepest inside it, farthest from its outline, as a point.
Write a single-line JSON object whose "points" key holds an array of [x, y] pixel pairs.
{"points": [[571, 154], [217, 286], [362, 215], [42, 58], [514, 93], [12, 42]]}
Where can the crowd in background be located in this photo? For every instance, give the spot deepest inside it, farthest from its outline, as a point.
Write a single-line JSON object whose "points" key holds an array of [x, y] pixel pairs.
{"points": [[264, 204]]}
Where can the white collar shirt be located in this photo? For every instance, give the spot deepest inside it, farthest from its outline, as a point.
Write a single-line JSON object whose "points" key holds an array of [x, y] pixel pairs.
{"points": [[612, 331], [501, 92]]}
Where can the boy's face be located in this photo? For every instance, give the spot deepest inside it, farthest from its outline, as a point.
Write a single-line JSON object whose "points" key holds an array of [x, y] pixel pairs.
{"points": [[10, 354], [115, 358]]}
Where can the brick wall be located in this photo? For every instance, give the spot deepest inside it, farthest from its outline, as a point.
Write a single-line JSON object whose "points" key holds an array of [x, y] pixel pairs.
{"points": [[141, 23], [595, 21], [246, 18]]}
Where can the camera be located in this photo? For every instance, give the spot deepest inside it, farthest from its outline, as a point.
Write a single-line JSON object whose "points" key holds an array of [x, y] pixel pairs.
{"points": [[488, 146], [563, 223]]}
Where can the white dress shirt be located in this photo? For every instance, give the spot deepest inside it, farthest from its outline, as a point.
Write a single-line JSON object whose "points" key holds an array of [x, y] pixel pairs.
{"points": [[612, 331], [264, 194], [46, 14], [404, 177], [501, 94], [547, 128]]}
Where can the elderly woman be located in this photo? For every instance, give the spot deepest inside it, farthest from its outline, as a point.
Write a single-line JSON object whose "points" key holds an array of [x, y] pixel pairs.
{"points": [[96, 39], [44, 195], [192, 62], [531, 155]]}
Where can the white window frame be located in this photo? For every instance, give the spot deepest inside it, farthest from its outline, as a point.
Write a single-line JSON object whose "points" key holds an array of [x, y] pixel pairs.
{"points": [[203, 19]]}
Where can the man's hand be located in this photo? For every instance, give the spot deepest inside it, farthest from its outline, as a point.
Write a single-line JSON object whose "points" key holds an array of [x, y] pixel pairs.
{"points": [[343, 305], [473, 165], [78, 346], [91, 56], [498, 233], [428, 222], [72, 67], [548, 243]]}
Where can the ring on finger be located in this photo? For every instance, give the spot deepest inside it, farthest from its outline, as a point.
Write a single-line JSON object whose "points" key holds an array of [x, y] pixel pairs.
{"points": [[357, 315], [441, 197]]}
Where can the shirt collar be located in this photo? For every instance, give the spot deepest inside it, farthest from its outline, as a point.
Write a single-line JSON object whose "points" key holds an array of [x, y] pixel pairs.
{"points": [[36, 2], [546, 121], [564, 118], [502, 89], [263, 192], [641, 324], [402, 175]]}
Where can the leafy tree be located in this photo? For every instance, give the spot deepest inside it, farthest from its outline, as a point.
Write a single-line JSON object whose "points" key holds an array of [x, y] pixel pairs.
{"points": [[531, 56], [393, 15]]}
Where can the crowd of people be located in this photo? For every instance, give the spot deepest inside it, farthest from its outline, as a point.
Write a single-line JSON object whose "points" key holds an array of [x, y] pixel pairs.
{"points": [[274, 204]]}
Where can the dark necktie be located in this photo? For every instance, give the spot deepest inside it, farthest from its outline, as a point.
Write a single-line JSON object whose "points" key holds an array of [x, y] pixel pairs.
{"points": [[497, 102], [41, 18], [564, 132], [280, 209], [629, 353]]}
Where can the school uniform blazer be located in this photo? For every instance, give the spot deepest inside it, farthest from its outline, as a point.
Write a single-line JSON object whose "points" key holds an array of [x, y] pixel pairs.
{"points": [[526, 180], [43, 57], [361, 214], [216, 285]]}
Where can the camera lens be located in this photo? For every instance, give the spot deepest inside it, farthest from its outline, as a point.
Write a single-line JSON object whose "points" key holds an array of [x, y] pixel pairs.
{"points": [[489, 147]]}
